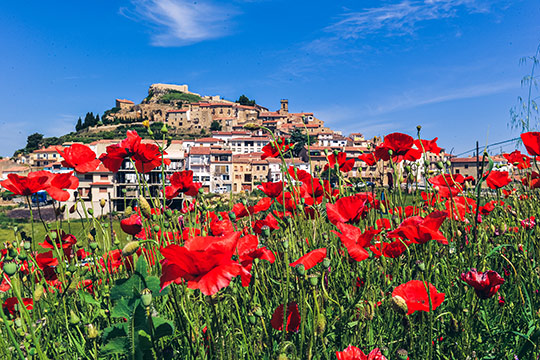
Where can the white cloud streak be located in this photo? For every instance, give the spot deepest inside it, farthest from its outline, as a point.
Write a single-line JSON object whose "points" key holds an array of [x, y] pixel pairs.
{"points": [[181, 22], [401, 18]]}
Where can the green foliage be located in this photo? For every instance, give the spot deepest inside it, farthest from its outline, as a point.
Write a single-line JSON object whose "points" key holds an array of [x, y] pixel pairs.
{"points": [[34, 142], [244, 100], [139, 336], [300, 139], [174, 95], [215, 126]]}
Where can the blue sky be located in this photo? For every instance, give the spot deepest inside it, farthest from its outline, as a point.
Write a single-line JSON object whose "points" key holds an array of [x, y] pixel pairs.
{"points": [[374, 67]]}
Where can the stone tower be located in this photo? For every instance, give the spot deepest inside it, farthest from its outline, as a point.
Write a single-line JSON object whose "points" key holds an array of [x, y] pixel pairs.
{"points": [[284, 110]]}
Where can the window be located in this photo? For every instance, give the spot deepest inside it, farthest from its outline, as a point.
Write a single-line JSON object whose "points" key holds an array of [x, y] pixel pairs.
{"points": [[225, 177], [88, 177], [466, 167], [457, 171], [102, 189], [104, 177]]}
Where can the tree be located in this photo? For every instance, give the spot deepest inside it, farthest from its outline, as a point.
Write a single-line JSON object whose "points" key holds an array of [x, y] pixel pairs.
{"points": [[215, 126], [33, 142], [300, 139], [79, 125], [244, 100]]}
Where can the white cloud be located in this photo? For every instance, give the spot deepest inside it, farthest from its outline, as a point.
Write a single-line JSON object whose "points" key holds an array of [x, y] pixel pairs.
{"points": [[401, 18], [181, 22]]}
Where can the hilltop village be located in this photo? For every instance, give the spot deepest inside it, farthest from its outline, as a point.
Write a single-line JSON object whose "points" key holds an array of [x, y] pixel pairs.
{"points": [[225, 151]]}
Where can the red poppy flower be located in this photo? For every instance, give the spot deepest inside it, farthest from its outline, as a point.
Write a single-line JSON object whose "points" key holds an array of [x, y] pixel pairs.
{"points": [[146, 156], [528, 223], [274, 148], [248, 250], [79, 157], [25, 185], [485, 284], [400, 146], [459, 207], [531, 180], [293, 318], [355, 241], [204, 262], [59, 182], [531, 140], [516, 158], [392, 250], [311, 259], [346, 209], [9, 305], [428, 146], [340, 159], [221, 226], [269, 221], [416, 296], [447, 185], [182, 182], [420, 230], [497, 179], [132, 225], [368, 158], [354, 353], [240, 210], [271, 189], [62, 239], [488, 207]]}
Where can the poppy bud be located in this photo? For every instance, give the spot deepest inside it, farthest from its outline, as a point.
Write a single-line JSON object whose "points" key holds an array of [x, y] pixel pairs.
{"points": [[252, 319], [402, 354], [418, 128], [27, 245], [257, 311], [448, 163], [300, 269], [286, 244], [385, 351], [313, 280], [124, 191], [326, 262], [102, 203], [164, 129], [90, 211], [408, 168], [146, 297], [421, 265], [72, 268], [93, 246], [145, 207], [399, 305], [74, 319], [168, 213], [156, 228], [390, 152], [38, 293], [426, 163], [128, 211], [10, 268], [130, 248], [150, 132], [92, 331], [321, 324], [232, 216], [265, 230], [22, 256]]}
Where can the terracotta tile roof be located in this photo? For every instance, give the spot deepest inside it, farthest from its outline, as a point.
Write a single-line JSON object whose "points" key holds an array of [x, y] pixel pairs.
{"points": [[100, 183], [208, 140], [101, 169], [51, 148], [125, 101], [199, 150], [253, 138], [271, 114]]}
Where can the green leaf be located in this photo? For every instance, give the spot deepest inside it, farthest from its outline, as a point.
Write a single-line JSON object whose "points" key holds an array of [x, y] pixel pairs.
{"points": [[141, 266], [117, 330], [162, 327], [153, 283], [125, 287], [145, 340], [88, 298], [122, 309], [115, 346]]}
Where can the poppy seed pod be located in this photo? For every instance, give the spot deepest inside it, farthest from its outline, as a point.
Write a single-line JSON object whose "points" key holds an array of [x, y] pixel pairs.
{"points": [[10, 268], [146, 297], [326, 262], [38, 293], [90, 211], [300, 269], [313, 280], [156, 228], [402, 354], [128, 211], [93, 245]]}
